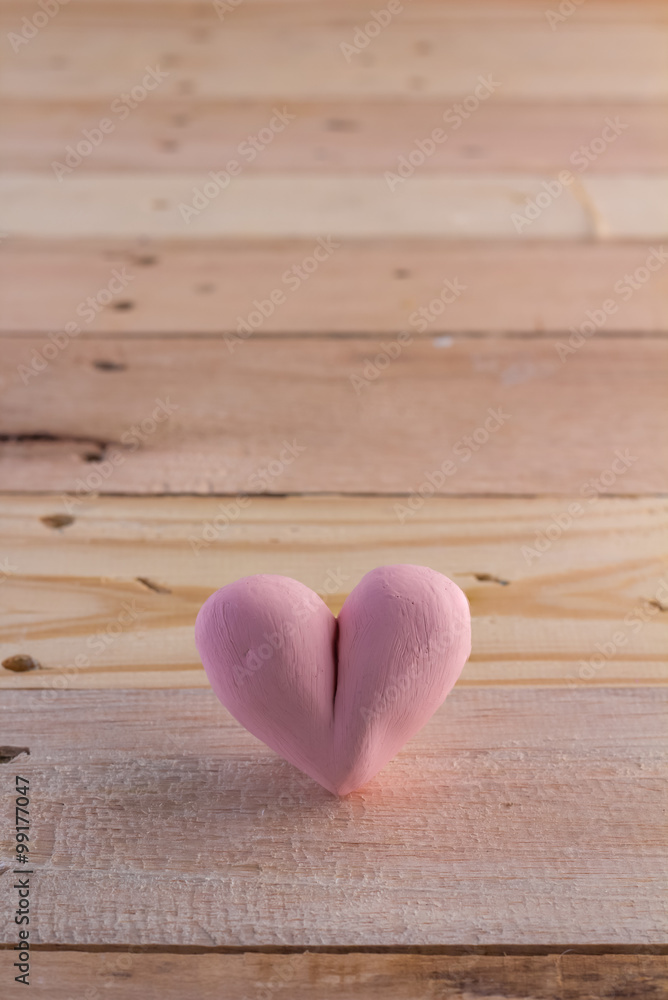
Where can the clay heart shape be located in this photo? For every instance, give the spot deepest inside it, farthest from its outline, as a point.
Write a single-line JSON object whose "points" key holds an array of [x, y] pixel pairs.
{"points": [[336, 697]]}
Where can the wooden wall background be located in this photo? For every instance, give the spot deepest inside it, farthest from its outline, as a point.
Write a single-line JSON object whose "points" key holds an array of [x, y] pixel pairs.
{"points": [[516, 847]]}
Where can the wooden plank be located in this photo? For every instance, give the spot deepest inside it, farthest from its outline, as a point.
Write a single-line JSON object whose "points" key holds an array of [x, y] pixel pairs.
{"points": [[328, 11], [365, 287], [613, 204], [533, 817], [355, 976], [447, 206], [538, 618], [433, 57], [334, 415], [346, 137]]}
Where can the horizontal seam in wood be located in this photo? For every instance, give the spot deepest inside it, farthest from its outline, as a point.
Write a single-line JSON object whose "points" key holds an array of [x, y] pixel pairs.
{"points": [[482, 950], [346, 335]]}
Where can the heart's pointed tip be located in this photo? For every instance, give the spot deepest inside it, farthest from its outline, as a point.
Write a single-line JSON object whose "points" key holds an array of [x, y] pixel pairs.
{"points": [[340, 789], [333, 789], [345, 788], [342, 794]]}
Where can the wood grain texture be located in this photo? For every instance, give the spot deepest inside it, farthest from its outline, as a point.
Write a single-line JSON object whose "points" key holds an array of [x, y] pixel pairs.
{"points": [[354, 976], [283, 416], [272, 206], [513, 818], [326, 11], [528, 817], [365, 287], [346, 137], [110, 600], [254, 54]]}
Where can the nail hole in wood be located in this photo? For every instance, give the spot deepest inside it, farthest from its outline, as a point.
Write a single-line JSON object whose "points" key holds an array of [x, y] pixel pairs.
{"points": [[8, 754], [488, 578], [57, 520], [150, 585], [341, 125], [20, 663], [109, 366]]}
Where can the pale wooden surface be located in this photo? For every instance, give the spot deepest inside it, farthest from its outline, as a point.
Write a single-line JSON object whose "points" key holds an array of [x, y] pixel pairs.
{"points": [[530, 815], [349, 976], [165, 821], [279, 206], [163, 136], [366, 287], [236, 411], [248, 56], [536, 617]]}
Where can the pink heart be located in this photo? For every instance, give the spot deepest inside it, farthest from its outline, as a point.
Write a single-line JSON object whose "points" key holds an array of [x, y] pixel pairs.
{"points": [[336, 697]]}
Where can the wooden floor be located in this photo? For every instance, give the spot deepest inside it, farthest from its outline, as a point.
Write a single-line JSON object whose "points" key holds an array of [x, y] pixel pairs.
{"points": [[357, 346]]}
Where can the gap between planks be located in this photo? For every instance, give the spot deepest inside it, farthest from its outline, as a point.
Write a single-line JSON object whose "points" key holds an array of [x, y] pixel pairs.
{"points": [[435, 950]]}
